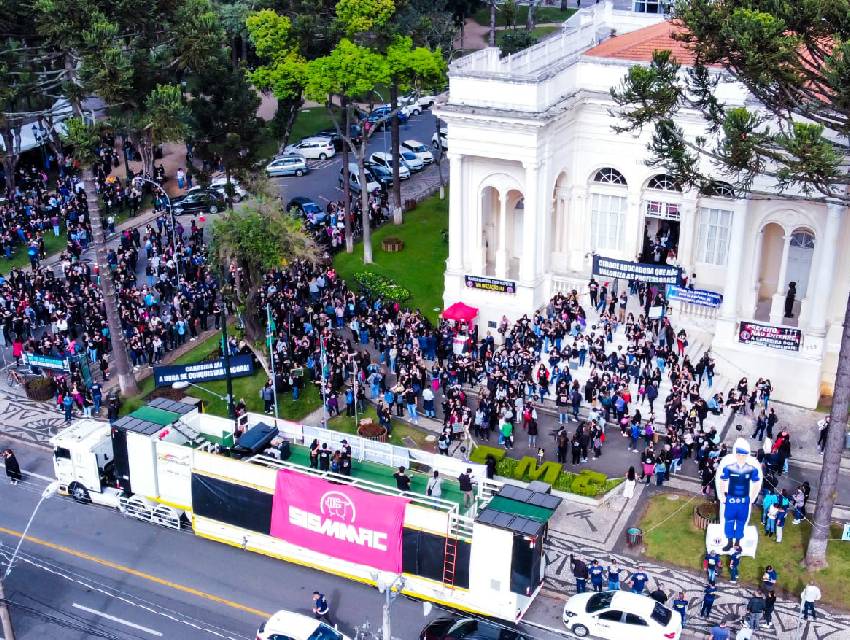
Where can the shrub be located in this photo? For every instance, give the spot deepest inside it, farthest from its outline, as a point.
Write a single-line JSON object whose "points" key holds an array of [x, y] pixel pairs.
{"points": [[527, 469], [479, 454], [375, 285], [40, 389], [506, 467], [564, 482], [589, 483]]}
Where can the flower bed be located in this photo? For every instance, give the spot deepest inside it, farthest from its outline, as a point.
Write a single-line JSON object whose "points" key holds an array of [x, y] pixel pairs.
{"points": [[377, 286]]}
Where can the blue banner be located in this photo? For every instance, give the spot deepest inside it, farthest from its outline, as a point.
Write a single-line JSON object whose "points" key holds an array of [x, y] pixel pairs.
{"points": [[701, 297], [164, 376]]}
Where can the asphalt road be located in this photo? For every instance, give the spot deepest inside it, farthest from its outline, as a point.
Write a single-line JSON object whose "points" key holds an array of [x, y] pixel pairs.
{"points": [[321, 184], [89, 572]]}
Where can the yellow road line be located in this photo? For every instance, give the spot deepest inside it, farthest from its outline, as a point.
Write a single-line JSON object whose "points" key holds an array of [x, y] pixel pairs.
{"points": [[138, 574]]}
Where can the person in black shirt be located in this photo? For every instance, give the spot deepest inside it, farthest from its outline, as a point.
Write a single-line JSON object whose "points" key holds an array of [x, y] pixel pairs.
{"points": [[402, 480], [324, 457], [345, 464], [314, 454]]}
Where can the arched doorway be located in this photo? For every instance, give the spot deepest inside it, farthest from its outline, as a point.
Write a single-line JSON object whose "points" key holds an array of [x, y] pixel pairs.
{"points": [[769, 265], [491, 207], [558, 239], [515, 212], [800, 254]]}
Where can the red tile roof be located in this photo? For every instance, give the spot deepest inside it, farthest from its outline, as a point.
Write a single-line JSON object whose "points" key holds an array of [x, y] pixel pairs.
{"points": [[638, 46]]}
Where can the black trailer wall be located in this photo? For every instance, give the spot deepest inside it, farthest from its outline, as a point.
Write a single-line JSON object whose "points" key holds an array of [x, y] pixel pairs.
{"points": [[231, 503]]}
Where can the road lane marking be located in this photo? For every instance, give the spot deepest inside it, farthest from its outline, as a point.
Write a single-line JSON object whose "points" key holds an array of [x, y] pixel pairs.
{"points": [[126, 623], [138, 574]]}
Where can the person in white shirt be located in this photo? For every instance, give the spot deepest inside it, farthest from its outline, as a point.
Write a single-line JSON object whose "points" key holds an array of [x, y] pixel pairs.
{"points": [[810, 595], [434, 488]]}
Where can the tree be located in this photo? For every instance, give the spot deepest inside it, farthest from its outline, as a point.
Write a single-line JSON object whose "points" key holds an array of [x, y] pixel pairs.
{"points": [[350, 71], [408, 67], [259, 237], [224, 119], [794, 58], [283, 71], [82, 138]]}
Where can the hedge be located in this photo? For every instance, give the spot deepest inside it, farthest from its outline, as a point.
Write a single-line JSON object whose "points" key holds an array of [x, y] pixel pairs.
{"points": [[376, 285], [479, 454], [527, 469]]}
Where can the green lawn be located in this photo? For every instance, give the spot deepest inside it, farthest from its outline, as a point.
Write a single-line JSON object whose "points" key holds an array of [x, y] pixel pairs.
{"points": [[541, 15], [419, 266], [310, 121], [52, 246], [403, 434], [677, 541], [247, 387]]}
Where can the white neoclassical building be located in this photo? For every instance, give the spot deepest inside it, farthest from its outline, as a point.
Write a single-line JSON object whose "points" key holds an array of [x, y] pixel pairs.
{"points": [[540, 182]]}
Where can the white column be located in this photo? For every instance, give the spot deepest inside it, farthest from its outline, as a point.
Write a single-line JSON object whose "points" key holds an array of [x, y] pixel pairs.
{"points": [[777, 306], [827, 247], [502, 247], [729, 308], [577, 227], [532, 226], [633, 227], [687, 232], [755, 279], [456, 244]]}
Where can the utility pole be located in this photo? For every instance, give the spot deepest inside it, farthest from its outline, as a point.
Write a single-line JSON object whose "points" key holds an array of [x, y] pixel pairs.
{"points": [[391, 592], [270, 329], [5, 616], [225, 352]]}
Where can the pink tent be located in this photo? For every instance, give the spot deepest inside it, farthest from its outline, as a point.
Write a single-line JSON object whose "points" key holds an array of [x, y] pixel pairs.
{"points": [[460, 312]]}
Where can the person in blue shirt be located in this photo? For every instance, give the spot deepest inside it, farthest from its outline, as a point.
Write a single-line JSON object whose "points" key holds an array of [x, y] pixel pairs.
{"points": [[709, 595], [712, 562], [321, 607], [613, 578], [596, 575], [638, 580], [768, 579], [734, 563], [680, 604]]}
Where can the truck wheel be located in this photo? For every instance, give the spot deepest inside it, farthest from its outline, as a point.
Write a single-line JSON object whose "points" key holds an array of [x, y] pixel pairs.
{"points": [[79, 493], [580, 630]]}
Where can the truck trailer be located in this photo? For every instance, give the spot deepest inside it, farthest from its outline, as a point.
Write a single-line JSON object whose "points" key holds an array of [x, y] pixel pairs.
{"points": [[173, 466]]}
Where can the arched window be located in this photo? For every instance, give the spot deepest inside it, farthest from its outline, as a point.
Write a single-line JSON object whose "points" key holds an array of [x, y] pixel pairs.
{"points": [[663, 182], [609, 175], [803, 239], [718, 189]]}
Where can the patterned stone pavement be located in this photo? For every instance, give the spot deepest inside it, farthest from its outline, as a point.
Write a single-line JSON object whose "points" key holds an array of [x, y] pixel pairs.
{"points": [[26, 420]]}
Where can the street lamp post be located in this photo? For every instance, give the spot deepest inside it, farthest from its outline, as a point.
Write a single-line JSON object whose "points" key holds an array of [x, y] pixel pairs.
{"points": [[5, 617], [160, 188], [391, 592]]}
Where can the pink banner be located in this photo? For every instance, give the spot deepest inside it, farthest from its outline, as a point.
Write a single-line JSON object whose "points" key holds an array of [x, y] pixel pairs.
{"points": [[338, 520]]}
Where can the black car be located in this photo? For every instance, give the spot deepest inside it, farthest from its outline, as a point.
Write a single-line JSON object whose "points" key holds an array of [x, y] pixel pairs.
{"points": [[199, 201], [382, 174], [468, 629], [337, 140]]}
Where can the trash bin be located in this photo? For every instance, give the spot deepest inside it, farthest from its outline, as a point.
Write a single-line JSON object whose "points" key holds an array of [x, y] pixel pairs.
{"points": [[634, 536]]}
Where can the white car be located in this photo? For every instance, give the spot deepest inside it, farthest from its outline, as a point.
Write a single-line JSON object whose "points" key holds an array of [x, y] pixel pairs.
{"points": [[314, 148], [286, 625], [419, 149], [217, 184], [413, 161], [618, 615], [386, 159], [441, 140]]}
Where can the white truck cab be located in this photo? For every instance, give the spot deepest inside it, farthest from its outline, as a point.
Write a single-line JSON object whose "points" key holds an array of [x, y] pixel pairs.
{"points": [[82, 461]]}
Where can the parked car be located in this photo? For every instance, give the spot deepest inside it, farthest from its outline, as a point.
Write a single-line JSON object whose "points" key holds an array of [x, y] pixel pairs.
{"points": [[382, 174], [441, 140], [219, 184], [307, 209], [468, 629], [379, 116], [413, 161], [286, 625], [385, 158], [419, 149], [289, 165], [337, 140], [313, 148], [200, 201], [619, 614], [372, 185]]}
